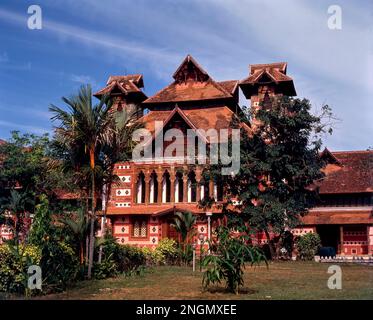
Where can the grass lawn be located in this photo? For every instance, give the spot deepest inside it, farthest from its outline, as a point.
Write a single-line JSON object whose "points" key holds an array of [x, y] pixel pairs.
{"points": [[282, 280]]}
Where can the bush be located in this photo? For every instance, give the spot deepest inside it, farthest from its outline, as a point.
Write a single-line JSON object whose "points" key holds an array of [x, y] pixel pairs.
{"points": [[308, 245], [107, 268], [121, 258], [227, 259], [14, 262], [168, 251]]}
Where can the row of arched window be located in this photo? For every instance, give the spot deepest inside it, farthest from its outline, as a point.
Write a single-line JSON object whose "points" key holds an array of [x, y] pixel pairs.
{"points": [[184, 190]]}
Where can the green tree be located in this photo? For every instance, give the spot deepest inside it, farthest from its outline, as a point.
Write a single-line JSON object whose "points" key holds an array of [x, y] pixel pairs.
{"points": [[279, 163], [18, 205], [90, 139], [85, 128]]}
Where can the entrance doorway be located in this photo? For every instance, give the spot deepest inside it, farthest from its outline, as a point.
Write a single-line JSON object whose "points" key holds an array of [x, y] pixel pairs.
{"points": [[329, 235]]}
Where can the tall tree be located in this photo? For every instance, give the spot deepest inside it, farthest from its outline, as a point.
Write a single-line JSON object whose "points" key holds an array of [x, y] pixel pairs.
{"points": [[90, 139], [85, 128], [279, 163]]}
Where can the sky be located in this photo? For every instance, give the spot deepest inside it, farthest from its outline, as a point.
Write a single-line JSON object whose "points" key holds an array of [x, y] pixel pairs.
{"points": [[84, 41]]}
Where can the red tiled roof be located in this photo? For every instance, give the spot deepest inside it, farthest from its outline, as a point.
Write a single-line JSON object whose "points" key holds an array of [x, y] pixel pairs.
{"points": [[229, 85], [213, 117], [157, 210], [190, 91], [192, 83], [339, 216], [269, 72], [353, 173], [125, 84]]}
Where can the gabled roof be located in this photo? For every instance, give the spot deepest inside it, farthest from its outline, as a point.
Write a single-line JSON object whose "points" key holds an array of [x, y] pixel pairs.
{"points": [[329, 157], [352, 173], [129, 84], [192, 83], [214, 117], [268, 73], [230, 85]]}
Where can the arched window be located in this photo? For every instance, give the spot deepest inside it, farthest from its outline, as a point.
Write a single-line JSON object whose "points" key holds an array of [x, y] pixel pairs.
{"points": [[166, 186], [179, 187], [192, 187], [153, 188], [140, 188]]}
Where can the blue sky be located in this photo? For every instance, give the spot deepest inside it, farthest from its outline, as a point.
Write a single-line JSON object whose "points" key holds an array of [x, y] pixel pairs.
{"points": [[86, 41]]}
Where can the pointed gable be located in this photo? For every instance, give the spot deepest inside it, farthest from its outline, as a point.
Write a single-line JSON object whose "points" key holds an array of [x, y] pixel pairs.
{"points": [[124, 85], [268, 73], [329, 157], [190, 70], [191, 83]]}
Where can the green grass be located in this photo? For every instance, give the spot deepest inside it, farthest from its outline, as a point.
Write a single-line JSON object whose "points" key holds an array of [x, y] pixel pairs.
{"points": [[281, 280]]}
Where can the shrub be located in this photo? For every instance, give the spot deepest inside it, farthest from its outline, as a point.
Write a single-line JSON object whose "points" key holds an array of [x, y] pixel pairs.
{"points": [[168, 250], [308, 245], [124, 258], [227, 259], [59, 264], [107, 268], [14, 262]]}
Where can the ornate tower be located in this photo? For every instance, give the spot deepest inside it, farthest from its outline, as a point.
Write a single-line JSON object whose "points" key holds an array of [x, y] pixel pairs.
{"points": [[266, 80], [124, 90]]}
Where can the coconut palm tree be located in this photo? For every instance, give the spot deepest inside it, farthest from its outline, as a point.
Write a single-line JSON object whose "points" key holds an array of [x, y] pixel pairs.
{"points": [[85, 127]]}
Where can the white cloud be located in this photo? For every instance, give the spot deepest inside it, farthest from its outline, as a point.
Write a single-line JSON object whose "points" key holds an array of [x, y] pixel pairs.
{"points": [[83, 79]]}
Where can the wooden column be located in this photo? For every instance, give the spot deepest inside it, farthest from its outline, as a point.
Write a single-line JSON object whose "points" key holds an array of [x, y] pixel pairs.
{"points": [[172, 185], [159, 181], [341, 239], [134, 191], [185, 187], [198, 179], [147, 187], [211, 188]]}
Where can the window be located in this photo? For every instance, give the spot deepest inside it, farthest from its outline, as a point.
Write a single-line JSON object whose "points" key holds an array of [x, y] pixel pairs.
{"points": [[139, 228]]}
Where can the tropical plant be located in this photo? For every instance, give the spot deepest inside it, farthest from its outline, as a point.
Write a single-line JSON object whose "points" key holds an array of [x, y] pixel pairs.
{"points": [[85, 127], [17, 204], [91, 138], [78, 225], [226, 261], [308, 245], [184, 225]]}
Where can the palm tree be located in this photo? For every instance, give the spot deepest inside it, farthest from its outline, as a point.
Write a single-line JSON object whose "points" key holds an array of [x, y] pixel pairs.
{"points": [[16, 204], [79, 226], [85, 127], [118, 150], [184, 225], [93, 138]]}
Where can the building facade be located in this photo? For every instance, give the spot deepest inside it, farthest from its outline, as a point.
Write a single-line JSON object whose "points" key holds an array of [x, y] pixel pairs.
{"points": [[143, 203]]}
